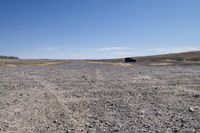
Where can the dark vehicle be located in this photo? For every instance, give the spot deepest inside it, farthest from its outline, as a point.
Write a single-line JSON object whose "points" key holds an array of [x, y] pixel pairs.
{"points": [[128, 59]]}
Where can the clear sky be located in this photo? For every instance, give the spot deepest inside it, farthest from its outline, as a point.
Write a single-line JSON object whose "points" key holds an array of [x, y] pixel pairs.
{"points": [[98, 28]]}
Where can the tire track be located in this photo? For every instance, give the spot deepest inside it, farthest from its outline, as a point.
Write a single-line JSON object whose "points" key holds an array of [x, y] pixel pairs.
{"points": [[99, 75], [49, 88]]}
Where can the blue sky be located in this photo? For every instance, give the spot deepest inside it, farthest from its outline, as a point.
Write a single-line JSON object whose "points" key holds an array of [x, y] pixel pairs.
{"points": [[78, 29]]}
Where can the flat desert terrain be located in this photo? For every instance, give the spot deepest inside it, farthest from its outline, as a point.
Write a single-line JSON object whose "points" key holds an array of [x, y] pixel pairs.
{"points": [[86, 97]]}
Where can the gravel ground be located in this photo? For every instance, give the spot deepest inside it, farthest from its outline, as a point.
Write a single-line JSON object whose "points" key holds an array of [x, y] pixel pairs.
{"points": [[81, 97]]}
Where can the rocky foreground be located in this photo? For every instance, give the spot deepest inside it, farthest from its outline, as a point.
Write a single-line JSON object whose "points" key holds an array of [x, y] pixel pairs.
{"points": [[82, 97]]}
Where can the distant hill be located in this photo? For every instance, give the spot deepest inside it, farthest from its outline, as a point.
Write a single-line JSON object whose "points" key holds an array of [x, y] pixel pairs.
{"points": [[8, 57], [183, 58]]}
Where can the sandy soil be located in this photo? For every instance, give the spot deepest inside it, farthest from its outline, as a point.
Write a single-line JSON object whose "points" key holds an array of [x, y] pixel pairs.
{"points": [[83, 97]]}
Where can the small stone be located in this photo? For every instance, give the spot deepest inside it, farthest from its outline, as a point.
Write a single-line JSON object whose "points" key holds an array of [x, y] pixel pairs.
{"points": [[100, 121], [88, 125], [175, 130], [197, 95], [115, 129], [194, 109]]}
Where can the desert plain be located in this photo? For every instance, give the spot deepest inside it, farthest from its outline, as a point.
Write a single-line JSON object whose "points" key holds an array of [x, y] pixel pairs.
{"points": [[92, 97]]}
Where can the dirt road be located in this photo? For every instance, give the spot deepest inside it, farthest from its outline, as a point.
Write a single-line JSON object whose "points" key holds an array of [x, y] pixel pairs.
{"points": [[84, 97]]}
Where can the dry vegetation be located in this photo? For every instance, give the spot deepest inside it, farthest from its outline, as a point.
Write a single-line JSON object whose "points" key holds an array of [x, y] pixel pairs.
{"points": [[17, 62], [110, 63]]}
